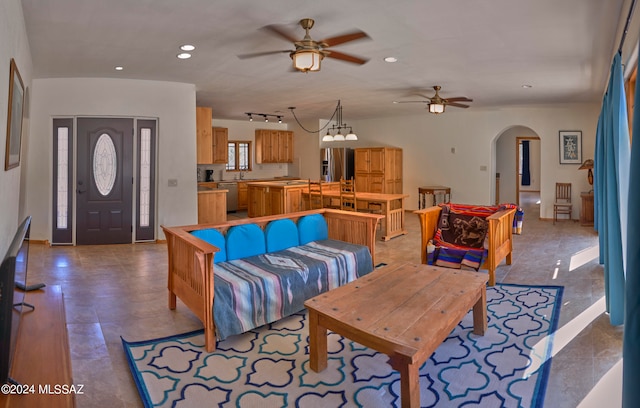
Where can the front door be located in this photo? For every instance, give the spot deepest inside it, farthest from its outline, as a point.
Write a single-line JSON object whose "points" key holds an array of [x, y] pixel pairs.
{"points": [[104, 183]]}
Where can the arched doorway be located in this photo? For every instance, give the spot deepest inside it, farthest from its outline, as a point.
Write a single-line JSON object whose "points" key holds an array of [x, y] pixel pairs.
{"points": [[509, 151]]}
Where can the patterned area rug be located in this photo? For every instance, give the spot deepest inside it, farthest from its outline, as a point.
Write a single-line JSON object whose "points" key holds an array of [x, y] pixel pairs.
{"points": [[269, 367]]}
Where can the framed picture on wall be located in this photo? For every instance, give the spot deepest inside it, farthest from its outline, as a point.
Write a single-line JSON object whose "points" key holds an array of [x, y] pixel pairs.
{"points": [[570, 147], [14, 118]]}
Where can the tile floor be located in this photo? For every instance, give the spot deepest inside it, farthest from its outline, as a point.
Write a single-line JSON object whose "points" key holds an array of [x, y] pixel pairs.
{"points": [[120, 291]]}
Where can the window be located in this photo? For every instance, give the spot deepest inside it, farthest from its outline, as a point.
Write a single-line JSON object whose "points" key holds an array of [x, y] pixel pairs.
{"points": [[239, 155]]}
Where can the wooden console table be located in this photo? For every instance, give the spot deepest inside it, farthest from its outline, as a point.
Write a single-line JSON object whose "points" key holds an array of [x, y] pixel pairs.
{"points": [[42, 358], [434, 191], [586, 211]]}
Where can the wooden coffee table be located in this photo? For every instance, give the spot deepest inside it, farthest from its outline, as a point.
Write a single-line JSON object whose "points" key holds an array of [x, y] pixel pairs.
{"points": [[403, 310]]}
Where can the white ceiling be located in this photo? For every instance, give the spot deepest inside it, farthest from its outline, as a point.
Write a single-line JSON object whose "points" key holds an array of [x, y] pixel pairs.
{"points": [[483, 49]]}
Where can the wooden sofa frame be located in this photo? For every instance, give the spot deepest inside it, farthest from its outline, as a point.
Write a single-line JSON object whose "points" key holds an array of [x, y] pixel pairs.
{"points": [[499, 234], [191, 266]]}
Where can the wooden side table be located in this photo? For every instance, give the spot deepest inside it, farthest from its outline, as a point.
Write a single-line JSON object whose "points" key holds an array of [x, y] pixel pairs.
{"points": [[586, 211], [434, 191]]}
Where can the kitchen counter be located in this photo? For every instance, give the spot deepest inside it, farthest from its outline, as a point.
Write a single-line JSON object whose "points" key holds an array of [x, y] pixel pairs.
{"points": [[203, 189]]}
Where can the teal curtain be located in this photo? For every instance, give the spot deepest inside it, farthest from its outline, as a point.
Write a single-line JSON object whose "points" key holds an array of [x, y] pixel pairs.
{"points": [[631, 338], [611, 187]]}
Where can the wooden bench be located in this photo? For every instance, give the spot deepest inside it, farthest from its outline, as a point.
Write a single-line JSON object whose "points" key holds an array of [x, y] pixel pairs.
{"points": [[191, 267]]}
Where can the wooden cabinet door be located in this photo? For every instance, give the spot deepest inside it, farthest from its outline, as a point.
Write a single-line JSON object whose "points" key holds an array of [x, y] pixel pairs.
{"points": [[397, 171], [361, 158], [285, 147], [293, 200], [263, 142], [242, 196], [275, 201], [362, 182], [204, 136], [257, 201], [376, 160], [376, 184], [220, 138]]}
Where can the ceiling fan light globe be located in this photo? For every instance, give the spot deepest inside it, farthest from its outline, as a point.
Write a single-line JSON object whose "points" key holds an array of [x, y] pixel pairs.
{"points": [[436, 108], [307, 60]]}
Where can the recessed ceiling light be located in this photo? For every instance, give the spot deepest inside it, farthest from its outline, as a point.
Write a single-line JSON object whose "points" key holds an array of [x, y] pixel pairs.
{"points": [[526, 86], [187, 47], [184, 55], [119, 68], [391, 59]]}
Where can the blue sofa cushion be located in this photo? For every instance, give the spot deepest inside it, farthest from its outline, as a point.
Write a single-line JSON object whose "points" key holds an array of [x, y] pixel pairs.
{"points": [[215, 238], [312, 228], [244, 241], [281, 234]]}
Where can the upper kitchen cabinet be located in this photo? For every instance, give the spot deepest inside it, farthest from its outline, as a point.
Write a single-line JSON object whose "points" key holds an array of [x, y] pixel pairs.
{"points": [[219, 145], [211, 141], [378, 169], [274, 146]]}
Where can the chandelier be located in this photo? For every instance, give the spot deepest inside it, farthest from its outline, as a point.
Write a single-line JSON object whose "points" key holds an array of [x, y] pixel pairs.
{"points": [[338, 128]]}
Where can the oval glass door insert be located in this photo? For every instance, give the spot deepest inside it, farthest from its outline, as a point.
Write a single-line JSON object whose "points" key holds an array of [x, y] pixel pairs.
{"points": [[105, 164]]}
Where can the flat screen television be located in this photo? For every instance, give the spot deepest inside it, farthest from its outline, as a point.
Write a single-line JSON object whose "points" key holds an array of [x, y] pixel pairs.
{"points": [[12, 302]]}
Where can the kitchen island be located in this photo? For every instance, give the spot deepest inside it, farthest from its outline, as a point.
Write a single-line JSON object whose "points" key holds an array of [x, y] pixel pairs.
{"points": [[275, 197]]}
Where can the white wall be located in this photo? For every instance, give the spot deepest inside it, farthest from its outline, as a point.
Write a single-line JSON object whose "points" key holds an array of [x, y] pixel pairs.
{"points": [[427, 141], [13, 44], [172, 103]]}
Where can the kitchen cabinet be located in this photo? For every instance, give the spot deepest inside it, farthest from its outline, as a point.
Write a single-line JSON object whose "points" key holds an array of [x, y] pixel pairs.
{"points": [[273, 146], [211, 142], [243, 196], [204, 135], [219, 145], [275, 197], [378, 170], [212, 205]]}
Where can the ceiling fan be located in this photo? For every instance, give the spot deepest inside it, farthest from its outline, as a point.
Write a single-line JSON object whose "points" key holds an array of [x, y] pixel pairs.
{"points": [[309, 53], [437, 103]]}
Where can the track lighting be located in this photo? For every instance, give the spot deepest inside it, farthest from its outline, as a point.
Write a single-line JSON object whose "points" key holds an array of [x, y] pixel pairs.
{"points": [[264, 115]]}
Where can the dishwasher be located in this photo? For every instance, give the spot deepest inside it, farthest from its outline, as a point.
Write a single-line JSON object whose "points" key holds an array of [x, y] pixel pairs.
{"points": [[232, 194]]}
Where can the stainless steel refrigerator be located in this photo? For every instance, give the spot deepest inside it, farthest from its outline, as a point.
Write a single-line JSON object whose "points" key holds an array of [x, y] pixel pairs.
{"points": [[336, 163]]}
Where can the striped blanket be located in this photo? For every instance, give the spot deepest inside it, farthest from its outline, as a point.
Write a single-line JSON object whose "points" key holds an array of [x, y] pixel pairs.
{"points": [[261, 289], [460, 237]]}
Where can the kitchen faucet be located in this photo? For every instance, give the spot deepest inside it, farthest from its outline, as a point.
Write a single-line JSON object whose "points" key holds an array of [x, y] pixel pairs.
{"points": [[241, 175]]}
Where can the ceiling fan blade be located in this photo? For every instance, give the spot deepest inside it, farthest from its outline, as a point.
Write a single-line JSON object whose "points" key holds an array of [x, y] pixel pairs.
{"points": [[260, 54], [423, 96], [345, 57], [427, 102], [459, 99], [341, 39], [282, 32], [457, 105]]}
